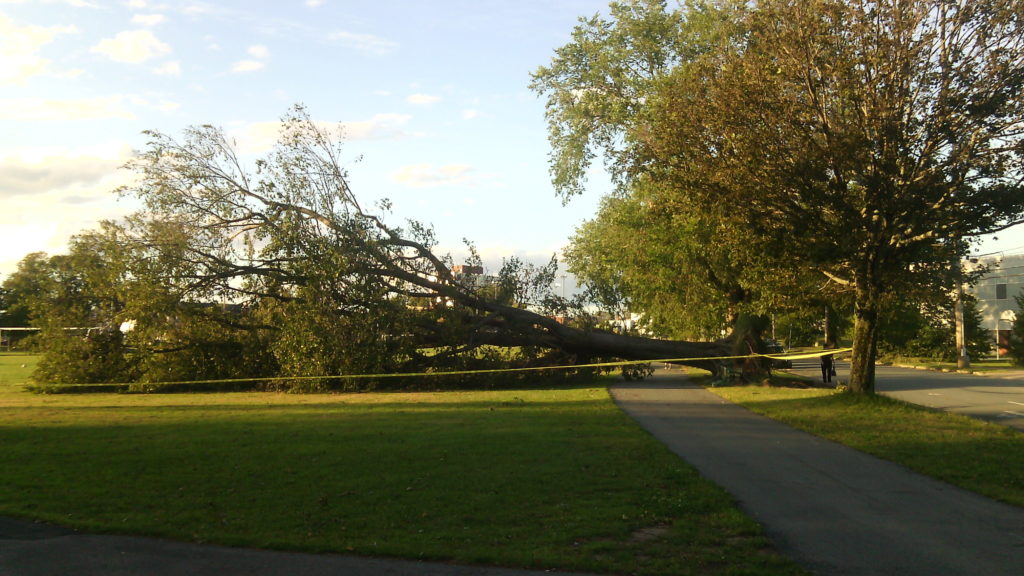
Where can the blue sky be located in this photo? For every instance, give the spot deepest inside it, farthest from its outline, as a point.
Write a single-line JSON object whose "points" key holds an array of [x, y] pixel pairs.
{"points": [[433, 95]]}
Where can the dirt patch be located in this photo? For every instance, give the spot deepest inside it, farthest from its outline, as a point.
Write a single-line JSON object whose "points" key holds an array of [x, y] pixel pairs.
{"points": [[649, 533]]}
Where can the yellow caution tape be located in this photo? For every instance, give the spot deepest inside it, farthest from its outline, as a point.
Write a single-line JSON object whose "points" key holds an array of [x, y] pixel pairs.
{"points": [[798, 356], [806, 355]]}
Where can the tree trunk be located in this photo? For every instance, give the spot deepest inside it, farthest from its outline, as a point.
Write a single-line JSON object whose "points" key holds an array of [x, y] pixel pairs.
{"points": [[747, 338], [519, 327], [865, 342]]}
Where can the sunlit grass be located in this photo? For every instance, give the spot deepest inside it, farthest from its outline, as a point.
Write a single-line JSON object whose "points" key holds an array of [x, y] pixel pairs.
{"points": [[16, 368], [980, 365], [980, 456], [533, 478]]}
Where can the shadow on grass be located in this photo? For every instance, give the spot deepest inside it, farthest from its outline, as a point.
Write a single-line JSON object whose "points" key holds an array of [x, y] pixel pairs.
{"points": [[527, 479]]}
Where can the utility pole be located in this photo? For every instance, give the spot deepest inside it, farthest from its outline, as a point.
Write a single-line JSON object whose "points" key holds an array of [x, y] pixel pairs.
{"points": [[963, 361]]}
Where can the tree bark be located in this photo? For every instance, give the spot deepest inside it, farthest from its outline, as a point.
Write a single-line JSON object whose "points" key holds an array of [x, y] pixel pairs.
{"points": [[865, 341], [519, 327]]}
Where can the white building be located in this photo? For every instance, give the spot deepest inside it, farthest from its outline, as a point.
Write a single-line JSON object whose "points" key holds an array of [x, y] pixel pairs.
{"points": [[996, 293]]}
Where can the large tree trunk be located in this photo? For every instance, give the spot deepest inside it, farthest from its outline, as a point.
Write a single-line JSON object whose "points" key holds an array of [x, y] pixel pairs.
{"points": [[518, 327], [865, 341]]}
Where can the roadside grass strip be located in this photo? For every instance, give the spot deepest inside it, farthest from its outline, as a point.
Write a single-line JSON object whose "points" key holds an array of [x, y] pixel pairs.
{"points": [[978, 366], [544, 479], [979, 456]]}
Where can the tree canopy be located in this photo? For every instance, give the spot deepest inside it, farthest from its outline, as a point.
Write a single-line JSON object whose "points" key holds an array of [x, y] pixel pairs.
{"points": [[866, 142], [766, 153]]}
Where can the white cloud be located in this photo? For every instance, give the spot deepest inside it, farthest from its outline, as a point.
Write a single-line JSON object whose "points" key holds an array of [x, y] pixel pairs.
{"points": [[379, 127], [19, 50], [196, 9], [211, 42], [314, 3], [366, 43], [259, 137], [470, 114], [166, 106], [430, 176], [49, 194], [172, 68], [258, 51], [148, 19], [40, 171], [132, 46], [81, 4], [31, 109], [243, 66], [38, 236], [422, 99], [117, 106], [136, 4], [44, 220]]}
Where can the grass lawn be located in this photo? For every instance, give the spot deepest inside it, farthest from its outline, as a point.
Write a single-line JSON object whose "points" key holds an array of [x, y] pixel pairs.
{"points": [[15, 368], [981, 365], [534, 478], [979, 456]]}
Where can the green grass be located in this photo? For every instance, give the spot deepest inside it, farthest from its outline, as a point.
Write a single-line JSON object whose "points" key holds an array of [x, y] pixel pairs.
{"points": [[983, 365], [533, 478], [16, 368], [979, 456]]}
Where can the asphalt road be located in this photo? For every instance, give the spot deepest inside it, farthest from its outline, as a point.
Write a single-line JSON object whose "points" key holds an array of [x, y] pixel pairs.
{"points": [[995, 398], [837, 511]]}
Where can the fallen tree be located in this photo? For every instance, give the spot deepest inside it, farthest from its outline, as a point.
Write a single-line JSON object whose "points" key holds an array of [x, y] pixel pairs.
{"points": [[289, 235]]}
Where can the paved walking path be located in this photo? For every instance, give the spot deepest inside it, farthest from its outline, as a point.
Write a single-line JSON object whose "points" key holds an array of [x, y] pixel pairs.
{"points": [[835, 510]]}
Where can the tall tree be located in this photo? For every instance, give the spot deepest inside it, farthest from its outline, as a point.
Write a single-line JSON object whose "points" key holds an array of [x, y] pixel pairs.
{"points": [[74, 299], [633, 246], [107, 313], [863, 140], [674, 265], [20, 288], [867, 139]]}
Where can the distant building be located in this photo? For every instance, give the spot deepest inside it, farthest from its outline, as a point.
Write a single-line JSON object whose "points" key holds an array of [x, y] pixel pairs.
{"points": [[996, 293], [472, 276], [463, 269]]}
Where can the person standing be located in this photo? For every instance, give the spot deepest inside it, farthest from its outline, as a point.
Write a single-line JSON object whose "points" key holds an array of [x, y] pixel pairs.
{"points": [[828, 367]]}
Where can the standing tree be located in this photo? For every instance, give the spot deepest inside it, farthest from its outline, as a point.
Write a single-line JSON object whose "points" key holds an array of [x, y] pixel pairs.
{"points": [[19, 290], [74, 299], [867, 139], [674, 265], [861, 140], [106, 313]]}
